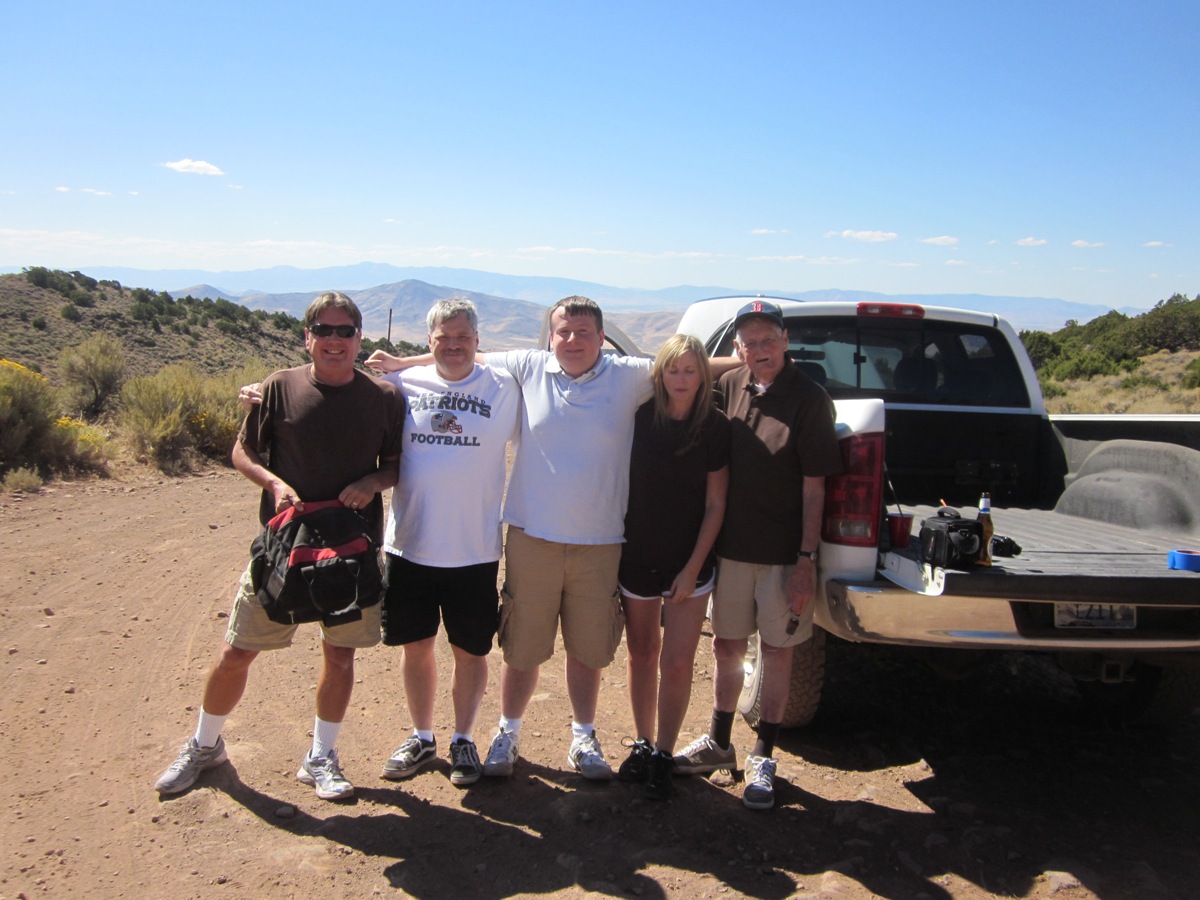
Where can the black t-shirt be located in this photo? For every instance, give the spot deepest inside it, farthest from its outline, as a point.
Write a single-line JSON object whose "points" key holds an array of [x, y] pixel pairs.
{"points": [[319, 437], [667, 494], [778, 437]]}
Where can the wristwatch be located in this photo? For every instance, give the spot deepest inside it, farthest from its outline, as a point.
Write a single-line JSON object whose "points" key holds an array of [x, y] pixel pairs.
{"points": [[811, 554]]}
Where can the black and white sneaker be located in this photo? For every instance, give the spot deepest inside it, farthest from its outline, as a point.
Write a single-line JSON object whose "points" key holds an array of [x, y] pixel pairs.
{"points": [[409, 758], [465, 767]]}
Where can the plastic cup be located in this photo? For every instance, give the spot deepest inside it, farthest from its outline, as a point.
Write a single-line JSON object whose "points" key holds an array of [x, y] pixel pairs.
{"points": [[899, 529]]}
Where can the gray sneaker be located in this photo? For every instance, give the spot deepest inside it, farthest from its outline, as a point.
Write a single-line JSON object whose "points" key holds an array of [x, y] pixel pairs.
{"points": [[409, 758], [703, 756], [760, 782], [465, 767], [502, 754], [325, 774], [586, 758], [192, 760]]}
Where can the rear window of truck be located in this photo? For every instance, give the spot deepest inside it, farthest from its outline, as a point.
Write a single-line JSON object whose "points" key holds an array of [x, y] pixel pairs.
{"points": [[905, 361]]}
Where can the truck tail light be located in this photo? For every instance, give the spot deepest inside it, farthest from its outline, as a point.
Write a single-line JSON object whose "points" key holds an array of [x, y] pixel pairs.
{"points": [[853, 500], [892, 310]]}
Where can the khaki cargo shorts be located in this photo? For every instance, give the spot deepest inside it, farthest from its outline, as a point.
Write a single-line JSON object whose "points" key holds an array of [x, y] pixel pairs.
{"points": [[250, 629], [750, 598], [546, 582]]}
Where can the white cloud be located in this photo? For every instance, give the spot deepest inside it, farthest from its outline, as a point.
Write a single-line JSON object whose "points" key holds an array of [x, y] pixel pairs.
{"points": [[768, 231], [1154, 244], [944, 240], [134, 193], [795, 258], [63, 190], [1031, 242], [97, 192], [870, 237], [956, 262], [1082, 243], [194, 167]]}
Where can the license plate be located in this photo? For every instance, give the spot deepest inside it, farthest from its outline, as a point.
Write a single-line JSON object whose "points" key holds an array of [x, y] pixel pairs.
{"points": [[1094, 615]]}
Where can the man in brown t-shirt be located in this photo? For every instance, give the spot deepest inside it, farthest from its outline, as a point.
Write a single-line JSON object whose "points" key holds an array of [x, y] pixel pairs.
{"points": [[783, 445], [324, 431]]}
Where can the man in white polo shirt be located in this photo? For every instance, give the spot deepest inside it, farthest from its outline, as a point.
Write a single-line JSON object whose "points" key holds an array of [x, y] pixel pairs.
{"points": [[565, 510]]}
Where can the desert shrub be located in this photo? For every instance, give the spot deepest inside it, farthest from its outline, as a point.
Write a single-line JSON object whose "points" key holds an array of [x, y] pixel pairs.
{"points": [[154, 413], [1053, 389], [1191, 374], [71, 313], [28, 408], [93, 372], [39, 322], [177, 414], [21, 480], [34, 436], [1132, 382], [81, 447]]}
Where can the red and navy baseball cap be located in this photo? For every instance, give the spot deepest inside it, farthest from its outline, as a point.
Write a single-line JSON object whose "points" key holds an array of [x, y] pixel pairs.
{"points": [[759, 308]]}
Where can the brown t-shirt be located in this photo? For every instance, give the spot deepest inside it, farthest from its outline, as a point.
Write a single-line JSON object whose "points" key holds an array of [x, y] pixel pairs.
{"points": [[778, 438], [319, 437]]}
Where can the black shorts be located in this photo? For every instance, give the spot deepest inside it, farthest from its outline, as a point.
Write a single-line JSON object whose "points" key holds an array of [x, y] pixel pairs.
{"points": [[416, 597], [644, 581]]}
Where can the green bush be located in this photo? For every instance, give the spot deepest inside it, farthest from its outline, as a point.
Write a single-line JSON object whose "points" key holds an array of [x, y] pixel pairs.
{"points": [[39, 323], [71, 313]]}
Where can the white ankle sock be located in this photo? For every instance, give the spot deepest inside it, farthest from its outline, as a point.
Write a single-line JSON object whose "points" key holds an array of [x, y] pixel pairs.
{"points": [[325, 735], [208, 729]]}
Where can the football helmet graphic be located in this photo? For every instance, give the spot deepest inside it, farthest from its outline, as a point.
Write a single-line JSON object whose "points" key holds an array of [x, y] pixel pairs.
{"points": [[445, 423]]}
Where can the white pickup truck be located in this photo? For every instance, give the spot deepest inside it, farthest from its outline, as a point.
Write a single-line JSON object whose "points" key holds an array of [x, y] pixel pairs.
{"points": [[937, 405]]}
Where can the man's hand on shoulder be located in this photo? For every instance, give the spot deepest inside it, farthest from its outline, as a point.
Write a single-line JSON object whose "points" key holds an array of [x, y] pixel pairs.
{"points": [[250, 395], [384, 362]]}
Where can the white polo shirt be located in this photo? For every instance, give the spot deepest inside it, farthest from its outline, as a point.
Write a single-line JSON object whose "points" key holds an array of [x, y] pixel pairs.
{"points": [[570, 479]]}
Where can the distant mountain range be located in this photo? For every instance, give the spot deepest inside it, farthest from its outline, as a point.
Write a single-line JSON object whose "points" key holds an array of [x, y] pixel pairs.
{"points": [[511, 305]]}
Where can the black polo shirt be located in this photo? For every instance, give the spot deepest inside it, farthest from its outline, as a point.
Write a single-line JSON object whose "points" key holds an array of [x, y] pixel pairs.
{"points": [[778, 437]]}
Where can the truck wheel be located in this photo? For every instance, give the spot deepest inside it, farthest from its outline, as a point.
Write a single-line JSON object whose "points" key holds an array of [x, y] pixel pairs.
{"points": [[804, 695]]}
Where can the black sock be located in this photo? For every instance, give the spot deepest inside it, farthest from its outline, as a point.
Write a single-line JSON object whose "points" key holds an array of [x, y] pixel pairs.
{"points": [[721, 729], [765, 745]]}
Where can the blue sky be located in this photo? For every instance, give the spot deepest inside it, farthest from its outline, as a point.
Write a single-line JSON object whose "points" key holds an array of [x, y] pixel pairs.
{"points": [[1028, 149]]}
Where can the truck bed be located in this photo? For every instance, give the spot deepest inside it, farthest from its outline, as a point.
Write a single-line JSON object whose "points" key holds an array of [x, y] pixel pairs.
{"points": [[1066, 558]]}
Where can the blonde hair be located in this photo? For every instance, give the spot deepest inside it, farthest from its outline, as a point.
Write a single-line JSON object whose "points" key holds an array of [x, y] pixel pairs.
{"points": [[674, 349]]}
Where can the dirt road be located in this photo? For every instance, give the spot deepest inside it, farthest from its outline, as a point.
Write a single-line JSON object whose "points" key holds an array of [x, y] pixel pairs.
{"points": [[112, 603]]}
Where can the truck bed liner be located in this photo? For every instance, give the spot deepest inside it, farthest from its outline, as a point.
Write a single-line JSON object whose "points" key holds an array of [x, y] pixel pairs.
{"points": [[1067, 558]]}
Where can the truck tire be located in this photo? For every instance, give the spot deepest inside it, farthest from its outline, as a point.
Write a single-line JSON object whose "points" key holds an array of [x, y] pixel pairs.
{"points": [[804, 695]]}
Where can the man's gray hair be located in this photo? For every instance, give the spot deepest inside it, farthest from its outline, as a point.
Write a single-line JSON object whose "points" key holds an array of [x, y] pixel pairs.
{"points": [[445, 310]]}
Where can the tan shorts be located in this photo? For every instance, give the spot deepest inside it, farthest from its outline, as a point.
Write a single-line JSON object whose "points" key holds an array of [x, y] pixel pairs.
{"points": [[544, 582], [250, 629], [750, 598]]}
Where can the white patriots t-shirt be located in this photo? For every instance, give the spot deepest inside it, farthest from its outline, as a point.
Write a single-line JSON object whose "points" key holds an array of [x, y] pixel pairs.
{"points": [[445, 508]]}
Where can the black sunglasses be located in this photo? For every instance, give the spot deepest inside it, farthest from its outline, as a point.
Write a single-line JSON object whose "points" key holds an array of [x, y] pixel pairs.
{"points": [[320, 329]]}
